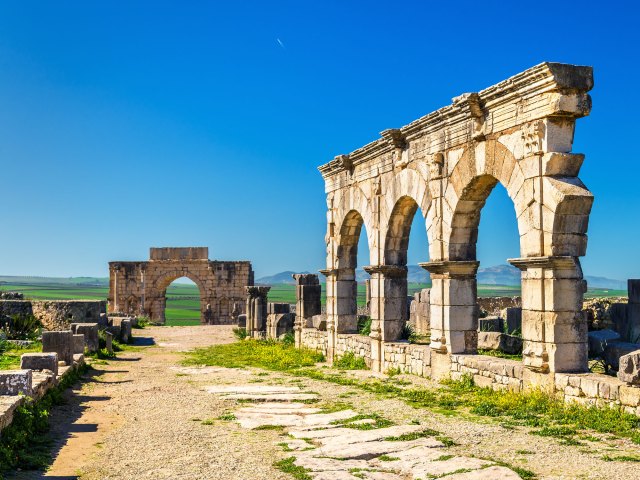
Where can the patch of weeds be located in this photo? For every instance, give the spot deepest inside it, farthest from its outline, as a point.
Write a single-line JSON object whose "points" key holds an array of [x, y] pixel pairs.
{"points": [[270, 427], [500, 354], [415, 421], [523, 472], [621, 458], [392, 372], [331, 407], [446, 441], [387, 458], [208, 421], [364, 325], [228, 417], [350, 361], [240, 333], [442, 458], [262, 374], [378, 422], [285, 446], [589, 438], [268, 354], [287, 465], [196, 419], [428, 432], [524, 452]]}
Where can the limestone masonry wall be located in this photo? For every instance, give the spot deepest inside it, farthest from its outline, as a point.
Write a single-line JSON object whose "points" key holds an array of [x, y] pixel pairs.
{"points": [[56, 314]]}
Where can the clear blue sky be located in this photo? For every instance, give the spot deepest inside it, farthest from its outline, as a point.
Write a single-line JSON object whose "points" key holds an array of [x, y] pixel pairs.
{"points": [[125, 125]]}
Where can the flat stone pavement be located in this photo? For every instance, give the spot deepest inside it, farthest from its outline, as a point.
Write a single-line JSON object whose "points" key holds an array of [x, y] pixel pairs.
{"points": [[144, 416]]}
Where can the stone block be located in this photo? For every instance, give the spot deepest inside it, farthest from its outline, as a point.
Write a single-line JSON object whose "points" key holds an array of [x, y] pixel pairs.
{"points": [[633, 290], [103, 320], [60, 342], [615, 350], [319, 322], [513, 319], [490, 324], [278, 308], [125, 330], [629, 396], [629, 368], [108, 341], [90, 332], [598, 340], [40, 361], [16, 382], [242, 320], [500, 341], [78, 344]]}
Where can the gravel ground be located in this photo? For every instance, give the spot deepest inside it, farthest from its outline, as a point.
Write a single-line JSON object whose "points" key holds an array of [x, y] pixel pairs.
{"points": [[144, 417]]}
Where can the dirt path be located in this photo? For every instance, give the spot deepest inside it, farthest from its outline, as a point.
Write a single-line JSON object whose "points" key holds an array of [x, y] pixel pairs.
{"points": [[144, 416]]}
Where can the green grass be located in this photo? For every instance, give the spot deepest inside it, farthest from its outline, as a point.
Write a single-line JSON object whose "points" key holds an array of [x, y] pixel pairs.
{"points": [[10, 359], [26, 443], [271, 355], [349, 361], [544, 414], [288, 465]]}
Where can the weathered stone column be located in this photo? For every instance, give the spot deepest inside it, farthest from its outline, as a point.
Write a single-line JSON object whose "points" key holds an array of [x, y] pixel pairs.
{"points": [[454, 308], [388, 307], [257, 310], [553, 326], [308, 304], [332, 311]]}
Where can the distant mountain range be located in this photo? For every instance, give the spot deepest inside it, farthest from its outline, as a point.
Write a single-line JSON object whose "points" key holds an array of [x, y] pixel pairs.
{"points": [[497, 275], [32, 280]]}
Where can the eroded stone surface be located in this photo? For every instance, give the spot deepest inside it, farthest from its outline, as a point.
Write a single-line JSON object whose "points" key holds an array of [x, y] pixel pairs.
{"points": [[328, 449]]}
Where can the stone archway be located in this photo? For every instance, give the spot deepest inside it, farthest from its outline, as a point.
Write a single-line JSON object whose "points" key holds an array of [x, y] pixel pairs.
{"points": [[519, 133], [144, 284]]}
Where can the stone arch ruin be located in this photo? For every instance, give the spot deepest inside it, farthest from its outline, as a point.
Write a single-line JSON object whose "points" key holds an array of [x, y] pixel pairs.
{"points": [[518, 133], [139, 287]]}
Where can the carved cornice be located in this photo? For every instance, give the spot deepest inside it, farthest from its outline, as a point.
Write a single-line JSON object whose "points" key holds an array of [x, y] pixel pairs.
{"points": [[555, 263], [452, 268], [565, 86], [306, 279], [391, 271]]}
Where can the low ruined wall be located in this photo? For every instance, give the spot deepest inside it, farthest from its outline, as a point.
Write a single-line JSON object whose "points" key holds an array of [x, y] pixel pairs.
{"points": [[497, 373], [315, 340], [56, 314], [494, 305], [597, 389], [359, 345], [492, 372], [407, 358]]}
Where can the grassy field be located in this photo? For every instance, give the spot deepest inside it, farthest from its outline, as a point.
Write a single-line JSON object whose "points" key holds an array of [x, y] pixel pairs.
{"points": [[183, 303]]}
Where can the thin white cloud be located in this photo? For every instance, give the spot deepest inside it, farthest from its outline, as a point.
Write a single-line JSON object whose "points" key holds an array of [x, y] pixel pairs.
{"points": [[280, 43]]}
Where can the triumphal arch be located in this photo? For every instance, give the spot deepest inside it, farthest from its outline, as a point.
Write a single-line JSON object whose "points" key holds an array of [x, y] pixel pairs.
{"points": [[518, 133], [140, 287]]}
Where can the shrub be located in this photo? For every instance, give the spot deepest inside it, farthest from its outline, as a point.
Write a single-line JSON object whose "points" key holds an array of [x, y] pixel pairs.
{"points": [[240, 333], [142, 322], [21, 327], [289, 339], [364, 325], [349, 361]]}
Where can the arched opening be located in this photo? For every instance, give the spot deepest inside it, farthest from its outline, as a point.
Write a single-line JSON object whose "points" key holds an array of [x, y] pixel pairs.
{"points": [[183, 303], [351, 284], [472, 319], [499, 283], [407, 286]]}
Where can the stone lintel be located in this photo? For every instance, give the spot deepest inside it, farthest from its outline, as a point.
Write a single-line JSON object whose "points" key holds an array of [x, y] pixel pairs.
{"points": [[390, 271], [554, 263], [255, 291], [452, 268]]}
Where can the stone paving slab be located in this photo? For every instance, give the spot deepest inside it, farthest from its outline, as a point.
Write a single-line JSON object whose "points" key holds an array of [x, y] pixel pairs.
{"points": [[335, 452]]}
